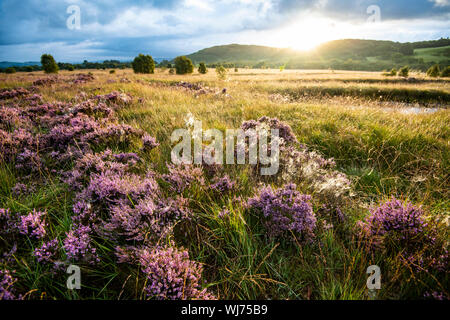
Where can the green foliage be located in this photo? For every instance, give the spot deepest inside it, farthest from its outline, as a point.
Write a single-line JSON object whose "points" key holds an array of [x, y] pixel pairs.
{"points": [[171, 71], [221, 72], [446, 72], [10, 70], [183, 65], [434, 71], [143, 64], [391, 73], [49, 64], [404, 72], [112, 71], [202, 68], [71, 68]]}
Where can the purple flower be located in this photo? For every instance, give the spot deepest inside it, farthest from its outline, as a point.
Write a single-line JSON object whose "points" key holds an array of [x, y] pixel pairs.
{"points": [[78, 245], [6, 286], [284, 211], [223, 185], [47, 251], [33, 224], [171, 275]]}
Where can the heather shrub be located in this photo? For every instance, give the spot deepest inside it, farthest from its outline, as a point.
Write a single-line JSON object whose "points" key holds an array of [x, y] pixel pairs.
{"points": [[183, 65], [171, 275], [202, 68], [284, 212], [401, 229], [7, 286], [143, 64], [49, 64]]}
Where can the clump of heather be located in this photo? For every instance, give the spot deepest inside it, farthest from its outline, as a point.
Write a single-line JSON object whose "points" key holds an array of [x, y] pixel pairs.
{"points": [[6, 286], [149, 142], [47, 251], [33, 224], [7, 221], [400, 228], [78, 245], [183, 176], [395, 224], [222, 185], [19, 189], [285, 131], [299, 165], [285, 211], [171, 275]]}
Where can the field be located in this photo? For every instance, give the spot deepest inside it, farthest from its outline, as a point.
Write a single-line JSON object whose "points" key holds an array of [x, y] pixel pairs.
{"points": [[433, 54], [389, 138]]}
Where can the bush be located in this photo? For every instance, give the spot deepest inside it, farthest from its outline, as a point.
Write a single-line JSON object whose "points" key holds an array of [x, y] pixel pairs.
{"points": [[70, 68], [29, 69], [49, 64], [202, 68], [236, 70], [446, 72], [434, 71], [221, 72], [172, 71], [143, 64], [112, 71], [183, 65], [10, 70], [404, 72]]}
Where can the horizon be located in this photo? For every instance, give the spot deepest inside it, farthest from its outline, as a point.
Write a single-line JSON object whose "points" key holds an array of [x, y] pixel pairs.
{"points": [[76, 30], [159, 59]]}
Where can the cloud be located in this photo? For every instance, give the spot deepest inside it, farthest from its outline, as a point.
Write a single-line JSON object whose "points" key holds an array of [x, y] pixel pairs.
{"points": [[169, 27]]}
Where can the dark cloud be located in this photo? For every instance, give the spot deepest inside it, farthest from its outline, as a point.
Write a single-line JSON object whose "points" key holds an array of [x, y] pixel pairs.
{"points": [[39, 22]]}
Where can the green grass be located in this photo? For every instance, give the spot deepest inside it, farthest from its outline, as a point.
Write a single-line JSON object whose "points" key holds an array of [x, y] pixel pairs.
{"points": [[385, 153], [433, 54]]}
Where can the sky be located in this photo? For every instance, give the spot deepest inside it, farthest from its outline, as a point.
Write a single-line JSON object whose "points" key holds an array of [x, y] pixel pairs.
{"points": [[96, 30]]}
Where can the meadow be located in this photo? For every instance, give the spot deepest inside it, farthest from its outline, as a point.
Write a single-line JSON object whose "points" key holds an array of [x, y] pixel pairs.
{"points": [[384, 200]]}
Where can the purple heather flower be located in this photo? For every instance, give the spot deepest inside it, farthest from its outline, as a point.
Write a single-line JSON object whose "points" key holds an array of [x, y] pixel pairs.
{"points": [[47, 251], [33, 224], [285, 210], [171, 275]]}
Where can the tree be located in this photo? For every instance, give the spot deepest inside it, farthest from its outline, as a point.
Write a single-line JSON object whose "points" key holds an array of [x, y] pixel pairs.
{"points": [[407, 49], [202, 68], [10, 70], [70, 67], [221, 72], [404, 72], [183, 65], [434, 71], [49, 64], [143, 64]]}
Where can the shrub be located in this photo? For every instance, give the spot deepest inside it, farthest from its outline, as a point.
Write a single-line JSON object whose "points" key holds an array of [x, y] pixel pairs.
{"points": [[143, 64], [171, 71], [202, 68], [404, 72], [284, 211], [183, 65], [236, 70], [112, 71], [221, 72], [395, 225], [71, 68], [446, 72], [10, 70], [434, 71], [29, 69], [49, 64]]}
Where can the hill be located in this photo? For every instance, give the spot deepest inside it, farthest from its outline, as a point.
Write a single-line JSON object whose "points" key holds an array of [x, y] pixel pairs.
{"points": [[347, 54]]}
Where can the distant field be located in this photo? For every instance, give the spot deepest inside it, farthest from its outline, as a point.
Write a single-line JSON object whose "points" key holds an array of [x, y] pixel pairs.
{"points": [[433, 54], [389, 138]]}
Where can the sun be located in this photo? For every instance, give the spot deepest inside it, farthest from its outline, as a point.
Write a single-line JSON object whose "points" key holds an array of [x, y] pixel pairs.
{"points": [[307, 33]]}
